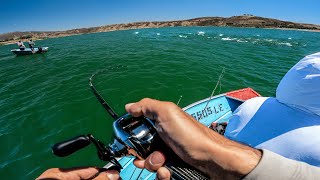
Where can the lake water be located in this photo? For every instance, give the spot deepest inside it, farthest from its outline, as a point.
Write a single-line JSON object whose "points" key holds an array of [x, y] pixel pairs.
{"points": [[45, 98]]}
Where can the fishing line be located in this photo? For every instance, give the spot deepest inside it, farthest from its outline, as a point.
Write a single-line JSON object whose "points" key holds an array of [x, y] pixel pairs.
{"points": [[104, 103], [218, 82], [179, 100]]}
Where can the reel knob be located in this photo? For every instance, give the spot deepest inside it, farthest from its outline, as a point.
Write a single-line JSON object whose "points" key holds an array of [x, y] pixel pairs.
{"points": [[70, 146]]}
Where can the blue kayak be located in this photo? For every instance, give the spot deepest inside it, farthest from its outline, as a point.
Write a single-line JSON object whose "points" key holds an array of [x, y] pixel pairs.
{"points": [[28, 51]]}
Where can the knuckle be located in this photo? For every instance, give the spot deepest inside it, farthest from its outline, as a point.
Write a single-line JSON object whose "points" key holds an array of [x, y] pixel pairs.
{"points": [[146, 100], [170, 104]]}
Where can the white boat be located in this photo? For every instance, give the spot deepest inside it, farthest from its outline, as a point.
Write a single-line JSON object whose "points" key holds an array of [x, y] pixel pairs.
{"points": [[28, 51]]}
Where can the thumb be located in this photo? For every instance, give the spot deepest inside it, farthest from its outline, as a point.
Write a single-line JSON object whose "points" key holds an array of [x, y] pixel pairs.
{"points": [[155, 161]]}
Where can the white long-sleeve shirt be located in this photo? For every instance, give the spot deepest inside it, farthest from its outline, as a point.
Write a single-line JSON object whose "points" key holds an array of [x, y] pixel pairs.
{"points": [[275, 167]]}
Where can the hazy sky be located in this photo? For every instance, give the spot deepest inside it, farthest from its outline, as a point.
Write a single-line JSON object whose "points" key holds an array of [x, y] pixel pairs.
{"points": [[45, 15]]}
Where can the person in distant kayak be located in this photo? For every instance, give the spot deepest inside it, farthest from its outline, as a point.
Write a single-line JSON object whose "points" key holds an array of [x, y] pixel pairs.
{"points": [[288, 124], [21, 45], [31, 44]]}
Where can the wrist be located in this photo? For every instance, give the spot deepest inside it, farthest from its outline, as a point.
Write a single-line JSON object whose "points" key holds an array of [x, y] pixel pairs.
{"points": [[230, 159], [242, 160]]}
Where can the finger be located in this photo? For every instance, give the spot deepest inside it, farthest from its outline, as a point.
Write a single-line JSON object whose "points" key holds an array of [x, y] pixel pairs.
{"points": [[72, 173], [163, 174], [85, 173], [108, 175], [134, 109], [155, 161], [49, 173], [147, 107], [139, 163]]}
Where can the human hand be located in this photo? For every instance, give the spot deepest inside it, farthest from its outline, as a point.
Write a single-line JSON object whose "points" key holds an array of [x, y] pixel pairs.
{"points": [[79, 174], [197, 145], [154, 163]]}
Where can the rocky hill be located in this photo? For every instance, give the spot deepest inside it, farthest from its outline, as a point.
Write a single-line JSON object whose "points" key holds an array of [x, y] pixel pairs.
{"points": [[234, 21]]}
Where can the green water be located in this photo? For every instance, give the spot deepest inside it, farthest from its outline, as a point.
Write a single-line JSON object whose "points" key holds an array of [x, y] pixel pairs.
{"points": [[45, 98]]}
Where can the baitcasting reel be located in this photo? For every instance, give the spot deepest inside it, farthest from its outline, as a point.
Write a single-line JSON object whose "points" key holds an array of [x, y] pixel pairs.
{"points": [[132, 136]]}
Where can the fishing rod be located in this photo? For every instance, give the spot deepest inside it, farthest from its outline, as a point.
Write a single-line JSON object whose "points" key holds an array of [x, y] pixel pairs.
{"points": [[104, 103], [133, 136]]}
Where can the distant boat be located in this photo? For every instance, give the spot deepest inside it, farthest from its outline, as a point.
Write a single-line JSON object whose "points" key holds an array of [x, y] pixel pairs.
{"points": [[212, 112], [28, 51]]}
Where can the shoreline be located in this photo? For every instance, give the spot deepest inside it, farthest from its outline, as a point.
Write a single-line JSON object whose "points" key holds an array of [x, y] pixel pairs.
{"points": [[36, 39], [245, 21], [289, 29]]}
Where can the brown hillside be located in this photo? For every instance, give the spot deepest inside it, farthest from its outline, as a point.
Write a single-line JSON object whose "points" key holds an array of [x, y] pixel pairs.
{"points": [[234, 21]]}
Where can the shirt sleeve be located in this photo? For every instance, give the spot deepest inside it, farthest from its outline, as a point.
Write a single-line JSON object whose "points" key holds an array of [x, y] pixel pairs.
{"points": [[275, 167]]}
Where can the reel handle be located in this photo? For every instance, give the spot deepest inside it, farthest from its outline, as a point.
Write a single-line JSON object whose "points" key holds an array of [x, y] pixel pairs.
{"points": [[70, 146]]}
